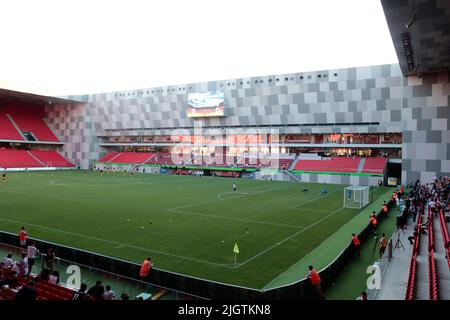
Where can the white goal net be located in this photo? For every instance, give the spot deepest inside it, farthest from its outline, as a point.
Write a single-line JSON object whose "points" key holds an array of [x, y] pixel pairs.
{"points": [[356, 197]]}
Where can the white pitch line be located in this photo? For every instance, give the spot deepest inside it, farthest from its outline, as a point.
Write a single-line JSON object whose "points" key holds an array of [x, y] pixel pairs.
{"points": [[309, 201], [235, 219], [114, 242], [288, 238]]}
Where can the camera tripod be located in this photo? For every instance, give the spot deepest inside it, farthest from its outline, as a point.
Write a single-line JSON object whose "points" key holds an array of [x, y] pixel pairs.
{"points": [[399, 243]]}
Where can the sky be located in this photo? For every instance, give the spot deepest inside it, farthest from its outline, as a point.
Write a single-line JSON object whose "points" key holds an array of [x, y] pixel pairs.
{"points": [[67, 47]]}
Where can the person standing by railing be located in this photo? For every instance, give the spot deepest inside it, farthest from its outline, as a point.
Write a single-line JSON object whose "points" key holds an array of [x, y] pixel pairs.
{"points": [[23, 237], [32, 252], [50, 259]]}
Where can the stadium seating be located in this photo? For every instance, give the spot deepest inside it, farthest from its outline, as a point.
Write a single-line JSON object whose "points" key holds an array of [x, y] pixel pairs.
{"points": [[52, 158], [338, 164], [132, 157], [411, 286], [49, 291], [109, 157], [432, 269], [7, 130], [32, 159], [165, 158], [30, 119], [374, 165], [445, 236], [18, 159]]}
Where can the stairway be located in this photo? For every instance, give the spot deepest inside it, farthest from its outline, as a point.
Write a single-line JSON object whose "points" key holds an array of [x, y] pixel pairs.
{"points": [[292, 176], [37, 159], [292, 166], [361, 165], [16, 127]]}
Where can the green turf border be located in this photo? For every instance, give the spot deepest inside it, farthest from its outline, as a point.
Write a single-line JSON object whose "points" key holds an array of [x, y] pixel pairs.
{"points": [[325, 253], [360, 174]]}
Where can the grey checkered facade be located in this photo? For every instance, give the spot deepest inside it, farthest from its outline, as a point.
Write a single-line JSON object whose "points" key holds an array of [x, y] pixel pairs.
{"points": [[354, 100]]}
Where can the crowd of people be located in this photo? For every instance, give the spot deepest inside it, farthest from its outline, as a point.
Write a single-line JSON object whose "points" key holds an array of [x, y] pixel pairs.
{"points": [[17, 282]]}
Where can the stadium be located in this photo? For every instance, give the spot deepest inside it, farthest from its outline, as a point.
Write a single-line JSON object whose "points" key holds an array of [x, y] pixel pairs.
{"points": [[236, 187]]}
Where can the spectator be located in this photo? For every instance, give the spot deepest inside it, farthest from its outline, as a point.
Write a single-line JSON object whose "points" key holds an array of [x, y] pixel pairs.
{"points": [[124, 296], [363, 296], [356, 244], [97, 290], [383, 244], [54, 277], [316, 282], [44, 275], [109, 294], [373, 223], [23, 266], [80, 295], [50, 259], [15, 269], [147, 265], [8, 261], [31, 255], [23, 237], [27, 293]]}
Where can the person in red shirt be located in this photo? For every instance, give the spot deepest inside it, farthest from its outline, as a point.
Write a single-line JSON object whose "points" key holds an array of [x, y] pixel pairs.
{"points": [[316, 282], [145, 269], [373, 223], [23, 237], [356, 244]]}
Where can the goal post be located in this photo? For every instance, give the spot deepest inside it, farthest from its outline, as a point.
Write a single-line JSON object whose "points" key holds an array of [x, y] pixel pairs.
{"points": [[356, 197]]}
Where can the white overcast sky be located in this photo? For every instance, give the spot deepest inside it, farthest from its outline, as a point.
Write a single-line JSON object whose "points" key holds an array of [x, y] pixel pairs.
{"points": [[73, 47]]}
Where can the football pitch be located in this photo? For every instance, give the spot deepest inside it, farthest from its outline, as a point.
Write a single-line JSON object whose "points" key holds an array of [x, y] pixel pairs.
{"points": [[187, 224]]}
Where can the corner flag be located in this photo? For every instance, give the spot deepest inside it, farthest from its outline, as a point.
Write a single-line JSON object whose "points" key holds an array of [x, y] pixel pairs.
{"points": [[236, 248]]}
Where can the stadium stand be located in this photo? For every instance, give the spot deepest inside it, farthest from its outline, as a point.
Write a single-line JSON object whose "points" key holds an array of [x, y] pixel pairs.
{"points": [[110, 156], [445, 236], [432, 270], [411, 286], [29, 119], [335, 164], [51, 158], [10, 158], [18, 159], [7, 130], [132, 157], [374, 165]]}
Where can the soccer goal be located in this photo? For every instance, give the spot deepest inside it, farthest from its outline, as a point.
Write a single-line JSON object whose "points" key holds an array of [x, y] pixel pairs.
{"points": [[356, 197]]}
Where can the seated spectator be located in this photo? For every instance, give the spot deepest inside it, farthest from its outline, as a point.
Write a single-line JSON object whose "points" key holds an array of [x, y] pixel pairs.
{"points": [[8, 261], [23, 266], [97, 291], [27, 293], [109, 294], [80, 295], [54, 277], [43, 275], [124, 296]]}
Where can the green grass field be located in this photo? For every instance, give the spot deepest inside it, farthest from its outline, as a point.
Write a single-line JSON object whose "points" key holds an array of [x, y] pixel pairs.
{"points": [[186, 224]]}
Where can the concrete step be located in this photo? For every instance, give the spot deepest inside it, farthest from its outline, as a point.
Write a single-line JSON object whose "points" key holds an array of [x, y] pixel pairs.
{"points": [[422, 287]]}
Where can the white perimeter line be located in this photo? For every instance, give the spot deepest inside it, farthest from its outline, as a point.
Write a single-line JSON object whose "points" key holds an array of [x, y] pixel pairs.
{"points": [[114, 243], [288, 238]]}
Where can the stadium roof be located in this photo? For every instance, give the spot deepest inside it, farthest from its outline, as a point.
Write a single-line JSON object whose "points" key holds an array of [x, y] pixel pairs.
{"points": [[29, 98], [420, 31]]}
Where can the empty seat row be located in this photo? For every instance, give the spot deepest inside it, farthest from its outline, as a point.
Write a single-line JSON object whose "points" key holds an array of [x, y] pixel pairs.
{"points": [[32, 159]]}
